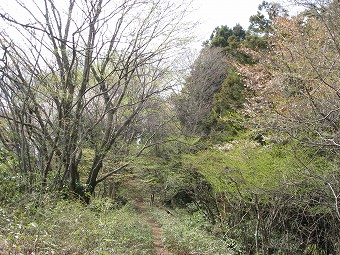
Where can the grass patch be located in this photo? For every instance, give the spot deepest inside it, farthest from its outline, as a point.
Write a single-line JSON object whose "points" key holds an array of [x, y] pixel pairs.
{"points": [[185, 235], [66, 227]]}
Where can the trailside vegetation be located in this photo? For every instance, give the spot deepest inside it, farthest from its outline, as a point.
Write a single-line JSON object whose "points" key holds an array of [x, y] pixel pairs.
{"points": [[237, 154]]}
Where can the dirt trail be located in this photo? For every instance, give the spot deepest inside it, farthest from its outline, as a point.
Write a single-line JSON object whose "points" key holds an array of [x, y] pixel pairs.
{"points": [[156, 229]]}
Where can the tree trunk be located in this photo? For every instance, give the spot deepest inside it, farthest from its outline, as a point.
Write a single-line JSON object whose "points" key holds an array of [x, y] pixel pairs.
{"points": [[96, 166]]}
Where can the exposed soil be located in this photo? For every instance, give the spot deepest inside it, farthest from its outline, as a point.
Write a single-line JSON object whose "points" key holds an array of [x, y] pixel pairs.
{"points": [[156, 229]]}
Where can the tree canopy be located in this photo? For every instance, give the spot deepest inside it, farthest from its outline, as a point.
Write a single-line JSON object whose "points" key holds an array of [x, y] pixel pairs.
{"points": [[77, 76]]}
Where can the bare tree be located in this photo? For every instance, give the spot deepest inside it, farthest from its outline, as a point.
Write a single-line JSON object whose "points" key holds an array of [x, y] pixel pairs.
{"points": [[77, 75], [205, 79]]}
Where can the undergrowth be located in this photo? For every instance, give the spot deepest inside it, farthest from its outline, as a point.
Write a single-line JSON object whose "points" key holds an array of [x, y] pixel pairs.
{"points": [[68, 227], [185, 235]]}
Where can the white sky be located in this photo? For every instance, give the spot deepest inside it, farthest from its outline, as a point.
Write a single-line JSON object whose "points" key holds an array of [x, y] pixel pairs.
{"points": [[213, 13], [210, 14]]}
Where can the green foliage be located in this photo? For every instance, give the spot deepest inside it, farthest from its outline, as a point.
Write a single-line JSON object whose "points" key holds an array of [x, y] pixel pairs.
{"points": [[257, 185], [64, 227], [86, 162], [250, 192], [10, 180], [223, 122], [235, 40], [259, 23], [162, 175], [224, 36], [219, 38], [248, 166], [256, 42], [241, 164], [231, 96], [262, 21], [224, 128], [186, 234]]}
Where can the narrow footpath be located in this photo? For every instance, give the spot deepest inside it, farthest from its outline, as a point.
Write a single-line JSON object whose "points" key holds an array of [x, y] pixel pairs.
{"points": [[157, 231]]}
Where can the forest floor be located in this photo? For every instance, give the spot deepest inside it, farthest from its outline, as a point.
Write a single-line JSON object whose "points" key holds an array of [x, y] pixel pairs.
{"points": [[157, 231]]}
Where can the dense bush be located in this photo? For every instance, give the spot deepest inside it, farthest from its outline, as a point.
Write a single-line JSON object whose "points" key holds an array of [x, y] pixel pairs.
{"points": [[67, 227], [271, 198], [186, 234]]}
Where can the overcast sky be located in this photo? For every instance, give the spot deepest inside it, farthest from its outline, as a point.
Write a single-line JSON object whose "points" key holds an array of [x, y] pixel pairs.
{"points": [[213, 13]]}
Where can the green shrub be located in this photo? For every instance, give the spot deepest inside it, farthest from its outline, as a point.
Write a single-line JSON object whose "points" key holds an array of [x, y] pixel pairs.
{"points": [[9, 179], [185, 234], [68, 227]]}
